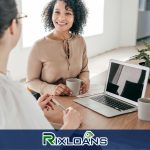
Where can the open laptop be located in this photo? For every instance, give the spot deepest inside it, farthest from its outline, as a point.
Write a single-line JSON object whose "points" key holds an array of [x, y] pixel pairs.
{"points": [[125, 83]]}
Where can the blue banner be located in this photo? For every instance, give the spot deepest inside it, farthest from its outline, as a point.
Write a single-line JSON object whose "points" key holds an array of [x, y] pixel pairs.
{"points": [[79, 139]]}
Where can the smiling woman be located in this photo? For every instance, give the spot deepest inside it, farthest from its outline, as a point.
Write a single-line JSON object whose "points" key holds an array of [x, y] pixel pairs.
{"points": [[51, 60], [34, 24]]}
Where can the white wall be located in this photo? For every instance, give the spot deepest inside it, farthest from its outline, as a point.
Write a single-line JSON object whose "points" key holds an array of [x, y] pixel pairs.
{"points": [[129, 19], [110, 37], [143, 24], [120, 27]]}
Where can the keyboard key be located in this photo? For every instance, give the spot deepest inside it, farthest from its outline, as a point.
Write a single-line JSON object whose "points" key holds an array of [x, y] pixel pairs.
{"points": [[108, 101]]}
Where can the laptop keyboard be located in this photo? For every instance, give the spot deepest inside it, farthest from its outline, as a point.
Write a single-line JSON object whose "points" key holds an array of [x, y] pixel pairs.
{"points": [[108, 101]]}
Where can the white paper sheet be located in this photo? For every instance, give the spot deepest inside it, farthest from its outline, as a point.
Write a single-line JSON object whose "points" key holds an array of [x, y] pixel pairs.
{"points": [[94, 89]]}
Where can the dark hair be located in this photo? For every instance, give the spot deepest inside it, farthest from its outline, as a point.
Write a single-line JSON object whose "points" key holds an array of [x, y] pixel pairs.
{"points": [[8, 11], [79, 10]]}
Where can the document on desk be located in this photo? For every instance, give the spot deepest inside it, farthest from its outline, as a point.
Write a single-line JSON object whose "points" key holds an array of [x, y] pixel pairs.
{"points": [[93, 90]]}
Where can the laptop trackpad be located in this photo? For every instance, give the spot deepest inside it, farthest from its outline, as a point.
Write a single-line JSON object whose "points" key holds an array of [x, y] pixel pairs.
{"points": [[98, 107]]}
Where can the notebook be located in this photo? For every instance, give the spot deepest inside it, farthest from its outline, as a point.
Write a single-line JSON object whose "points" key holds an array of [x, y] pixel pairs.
{"points": [[125, 83]]}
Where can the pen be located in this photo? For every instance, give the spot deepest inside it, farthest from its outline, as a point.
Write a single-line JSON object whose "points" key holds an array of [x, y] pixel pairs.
{"points": [[58, 104]]}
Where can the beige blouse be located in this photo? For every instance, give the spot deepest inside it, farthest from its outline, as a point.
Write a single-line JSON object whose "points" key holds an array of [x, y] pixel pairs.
{"points": [[53, 61]]}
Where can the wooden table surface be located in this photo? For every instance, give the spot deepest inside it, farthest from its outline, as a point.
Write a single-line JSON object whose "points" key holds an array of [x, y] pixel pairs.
{"points": [[93, 120]]}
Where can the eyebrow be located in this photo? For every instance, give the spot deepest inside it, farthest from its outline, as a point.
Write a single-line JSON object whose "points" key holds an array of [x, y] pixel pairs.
{"points": [[68, 9], [56, 9]]}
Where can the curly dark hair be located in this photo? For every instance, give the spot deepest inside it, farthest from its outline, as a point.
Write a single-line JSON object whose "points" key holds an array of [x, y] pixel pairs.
{"points": [[79, 11], [8, 11]]}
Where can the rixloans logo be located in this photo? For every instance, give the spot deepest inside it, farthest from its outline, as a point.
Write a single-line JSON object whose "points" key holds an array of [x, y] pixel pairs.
{"points": [[87, 139]]}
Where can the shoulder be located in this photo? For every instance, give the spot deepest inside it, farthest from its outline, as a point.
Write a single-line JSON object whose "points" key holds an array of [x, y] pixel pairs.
{"points": [[44, 44], [79, 39], [10, 93], [39, 43], [9, 88], [37, 47], [14, 95]]}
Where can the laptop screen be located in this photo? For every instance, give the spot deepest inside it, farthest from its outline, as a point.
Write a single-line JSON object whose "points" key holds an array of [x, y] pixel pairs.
{"points": [[126, 81]]}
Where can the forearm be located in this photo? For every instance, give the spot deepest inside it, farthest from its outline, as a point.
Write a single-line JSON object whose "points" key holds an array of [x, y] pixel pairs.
{"points": [[40, 86]]}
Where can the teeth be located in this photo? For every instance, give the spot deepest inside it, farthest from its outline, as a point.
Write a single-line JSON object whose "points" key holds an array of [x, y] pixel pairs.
{"points": [[61, 23]]}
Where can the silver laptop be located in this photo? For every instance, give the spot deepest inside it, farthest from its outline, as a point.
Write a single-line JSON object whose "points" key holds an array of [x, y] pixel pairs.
{"points": [[125, 83]]}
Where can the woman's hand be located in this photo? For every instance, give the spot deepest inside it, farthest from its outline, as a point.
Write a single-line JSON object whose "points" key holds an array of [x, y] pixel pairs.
{"points": [[84, 87], [62, 89], [72, 119], [45, 102]]}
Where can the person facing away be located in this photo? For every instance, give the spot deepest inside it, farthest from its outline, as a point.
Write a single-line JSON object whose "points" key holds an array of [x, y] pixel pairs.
{"points": [[62, 53], [18, 108]]}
